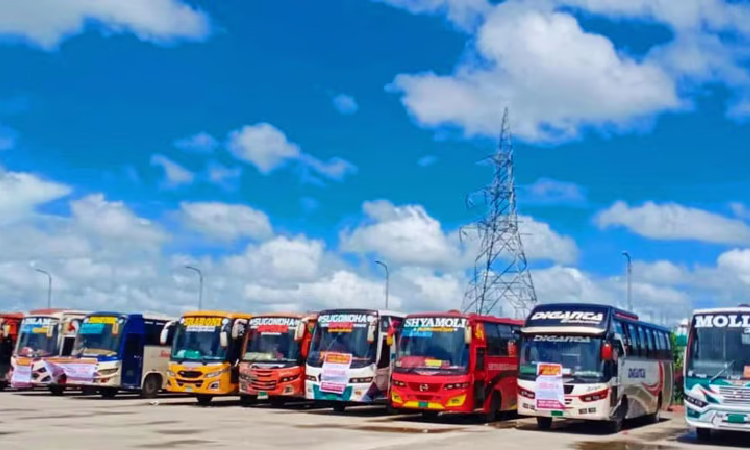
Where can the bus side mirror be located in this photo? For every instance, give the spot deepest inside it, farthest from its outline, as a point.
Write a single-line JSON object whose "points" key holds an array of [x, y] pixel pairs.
{"points": [[607, 352], [299, 331], [6, 330], [224, 339], [371, 333], [164, 335], [238, 324]]}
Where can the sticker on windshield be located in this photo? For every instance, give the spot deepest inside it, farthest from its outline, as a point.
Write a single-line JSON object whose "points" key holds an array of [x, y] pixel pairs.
{"points": [[425, 326], [102, 320], [273, 325], [202, 324], [35, 325]]}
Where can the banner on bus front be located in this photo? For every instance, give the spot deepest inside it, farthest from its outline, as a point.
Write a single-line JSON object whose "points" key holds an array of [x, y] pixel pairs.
{"points": [[549, 387], [335, 374], [76, 370]]}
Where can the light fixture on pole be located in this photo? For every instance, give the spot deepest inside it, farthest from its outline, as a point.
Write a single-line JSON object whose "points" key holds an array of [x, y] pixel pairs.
{"points": [[387, 279], [200, 290], [49, 286], [630, 280]]}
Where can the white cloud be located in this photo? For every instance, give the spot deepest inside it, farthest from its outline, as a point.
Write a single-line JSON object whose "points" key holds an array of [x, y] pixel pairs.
{"points": [[740, 210], [21, 193], [670, 221], [175, 175], [549, 191], [345, 104], [463, 13], [427, 160], [226, 177], [226, 222], [268, 148], [736, 261], [556, 78], [199, 143], [540, 241], [47, 23]]}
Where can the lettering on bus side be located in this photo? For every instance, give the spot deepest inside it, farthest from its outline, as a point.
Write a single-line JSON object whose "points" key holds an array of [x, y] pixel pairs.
{"points": [[273, 321], [561, 338], [344, 318], [722, 321], [577, 317], [636, 372], [435, 322]]}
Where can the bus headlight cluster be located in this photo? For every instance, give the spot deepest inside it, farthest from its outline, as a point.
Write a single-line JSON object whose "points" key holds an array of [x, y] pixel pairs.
{"points": [[287, 379], [695, 402], [454, 386], [107, 372], [361, 380], [594, 396], [311, 378], [526, 393], [215, 374], [399, 383]]}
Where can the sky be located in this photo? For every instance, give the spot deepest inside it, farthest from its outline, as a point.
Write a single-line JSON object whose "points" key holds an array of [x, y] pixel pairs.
{"points": [[283, 147]]}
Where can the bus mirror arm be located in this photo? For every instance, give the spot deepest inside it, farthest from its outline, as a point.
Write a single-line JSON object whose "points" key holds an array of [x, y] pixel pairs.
{"points": [[223, 339], [467, 335]]}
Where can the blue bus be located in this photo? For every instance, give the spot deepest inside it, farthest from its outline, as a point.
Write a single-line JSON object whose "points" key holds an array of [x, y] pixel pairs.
{"points": [[116, 352]]}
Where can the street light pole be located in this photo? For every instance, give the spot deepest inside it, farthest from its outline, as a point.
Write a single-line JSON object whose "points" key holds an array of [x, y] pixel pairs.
{"points": [[49, 286], [200, 291], [630, 280], [387, 280]]}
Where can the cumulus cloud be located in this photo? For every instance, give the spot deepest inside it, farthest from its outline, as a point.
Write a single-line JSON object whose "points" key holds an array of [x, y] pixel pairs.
{"points": [[345, 104], [553, 192], [198, 143], [671, 221], [174, 174], [22, 193], [463, 13], [226, 222], [268, 148], [47, 23]]}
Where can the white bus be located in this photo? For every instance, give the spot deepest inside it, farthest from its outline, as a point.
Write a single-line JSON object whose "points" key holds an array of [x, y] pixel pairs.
{"points": [[717, 371], [593, 362], [350, 356]]}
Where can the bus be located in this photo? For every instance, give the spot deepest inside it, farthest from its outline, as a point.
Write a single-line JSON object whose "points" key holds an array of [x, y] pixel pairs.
{"points": [[273, 357], [717, 370], [456, 363], [205, 353], [45, 333], [9, 324], [593, 362], [116, 352], [350, 356]]}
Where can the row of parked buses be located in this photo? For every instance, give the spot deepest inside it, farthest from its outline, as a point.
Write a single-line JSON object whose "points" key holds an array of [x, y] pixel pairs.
{"points": [[574, 361]]}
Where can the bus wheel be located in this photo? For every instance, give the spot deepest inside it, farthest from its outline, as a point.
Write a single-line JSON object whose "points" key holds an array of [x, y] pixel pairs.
{"points": [[108, 393], [494, 409], [247, 400], [654, 418], [339, 407], [57, 390], [544, 423], [151, 386], [3, 385], [703, 434], [204, 399]]}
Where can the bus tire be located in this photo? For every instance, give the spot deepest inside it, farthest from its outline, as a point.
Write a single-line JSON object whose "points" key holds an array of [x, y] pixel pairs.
{"points": [[544, 423], [339, 407], [57, 390], [247, 400], [703, 434], [108, 393], [493, 411], [3, 385], [654, 418], [151, 386], [203, 399]]}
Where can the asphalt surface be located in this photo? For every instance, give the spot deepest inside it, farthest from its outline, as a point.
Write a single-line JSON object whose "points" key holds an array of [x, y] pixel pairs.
{"points": [[77, 422]]}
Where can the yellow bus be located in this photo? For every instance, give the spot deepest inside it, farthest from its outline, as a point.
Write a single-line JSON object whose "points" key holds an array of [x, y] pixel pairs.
{"points": [[205, 350]]}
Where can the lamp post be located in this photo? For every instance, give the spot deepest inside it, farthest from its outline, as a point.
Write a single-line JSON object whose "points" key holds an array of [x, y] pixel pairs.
{"points": [[630, 280], [200, 291], [387, 280], [49, 286]]}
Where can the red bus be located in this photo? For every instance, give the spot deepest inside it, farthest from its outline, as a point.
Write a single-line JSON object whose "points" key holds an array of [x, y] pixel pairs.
{"points": [[456, 363], [9, 324]]}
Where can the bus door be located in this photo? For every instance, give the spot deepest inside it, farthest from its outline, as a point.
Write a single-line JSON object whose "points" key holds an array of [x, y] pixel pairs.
{"points": [[132, 359], [383, 354], [478, 346]]}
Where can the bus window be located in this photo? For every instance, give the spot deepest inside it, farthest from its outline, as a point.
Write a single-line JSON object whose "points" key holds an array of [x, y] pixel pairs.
{"points": [[493, 339], [659, 344], [636, 342], [643, 341], [650, 343]]}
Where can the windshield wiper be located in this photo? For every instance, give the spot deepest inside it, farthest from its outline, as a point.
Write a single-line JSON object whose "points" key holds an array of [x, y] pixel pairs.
{"points": [[728, 365]]}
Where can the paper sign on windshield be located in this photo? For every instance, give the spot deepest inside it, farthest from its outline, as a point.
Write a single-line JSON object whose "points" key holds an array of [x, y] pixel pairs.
{"points": [[202, 324], [335, 374], [549, 387]]}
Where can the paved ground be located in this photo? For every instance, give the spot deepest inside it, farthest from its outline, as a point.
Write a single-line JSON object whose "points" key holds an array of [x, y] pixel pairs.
{"points": [[76, 422]]}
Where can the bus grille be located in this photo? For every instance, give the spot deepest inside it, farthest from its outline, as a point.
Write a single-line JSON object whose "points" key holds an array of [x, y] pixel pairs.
{"points": [[263, 380], [735, 395], [189, 374], [424, 387]]}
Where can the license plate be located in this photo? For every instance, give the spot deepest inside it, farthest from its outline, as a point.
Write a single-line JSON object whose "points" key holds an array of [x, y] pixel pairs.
{"points": [[423, 404], [262, 395], [556, 413], [189, 389], [735, 418]]}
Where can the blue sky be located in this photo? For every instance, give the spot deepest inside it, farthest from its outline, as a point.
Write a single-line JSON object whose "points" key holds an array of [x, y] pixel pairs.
{"points": [[255, 138]]}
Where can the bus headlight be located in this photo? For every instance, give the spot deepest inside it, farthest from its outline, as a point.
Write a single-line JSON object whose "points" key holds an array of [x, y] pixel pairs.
{"points": [[454, 386], [361, 380], [107, 372], [594, 396], [311, 378], [526, 393], [287, 379], [695, 402], [214, 374], [399, 383], [170, 373]]}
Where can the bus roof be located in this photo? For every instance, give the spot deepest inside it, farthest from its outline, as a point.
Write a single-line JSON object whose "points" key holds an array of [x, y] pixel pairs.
{"points": [[472, 316], [60, 312], [216, 313], [146, 316], [296, 315], [12, 315], [724, 309], [380, 312]]}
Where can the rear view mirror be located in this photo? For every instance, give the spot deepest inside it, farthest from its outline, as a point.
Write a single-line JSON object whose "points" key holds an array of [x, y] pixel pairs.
{"points": [[164, 336], [371, 333], [6, 330], [467, 335], [299, 331], [223, 339], [239, 325]]}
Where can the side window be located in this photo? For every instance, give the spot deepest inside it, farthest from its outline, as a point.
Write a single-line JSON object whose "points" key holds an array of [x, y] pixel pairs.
{"points": [[643, 340], [635, 340], [492, 333], [659, 345], [385, 355], [506, 337]]}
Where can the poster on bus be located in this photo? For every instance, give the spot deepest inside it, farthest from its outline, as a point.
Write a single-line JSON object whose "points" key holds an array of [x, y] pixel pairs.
{"points": [[76, 370], [21, 377], [335, 374], [549, 387]]}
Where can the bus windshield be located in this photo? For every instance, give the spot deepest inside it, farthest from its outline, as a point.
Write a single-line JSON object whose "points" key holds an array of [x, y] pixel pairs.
{"points": [[721, 352], [430, 346], [580, 356], [334, 336], [198, 339], [39, 336], [99, 336], [272, 339]]}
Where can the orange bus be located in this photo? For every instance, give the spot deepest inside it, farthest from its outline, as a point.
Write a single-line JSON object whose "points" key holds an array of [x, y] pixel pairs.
{"points": [[274, 355], [206, 348], [9, 325]]}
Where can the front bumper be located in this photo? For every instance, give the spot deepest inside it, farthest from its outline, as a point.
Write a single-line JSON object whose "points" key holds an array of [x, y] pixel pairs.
{"points": [[718, 417]]}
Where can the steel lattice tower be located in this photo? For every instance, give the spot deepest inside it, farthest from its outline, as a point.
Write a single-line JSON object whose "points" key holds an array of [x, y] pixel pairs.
{"points": [[501, 277]]}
